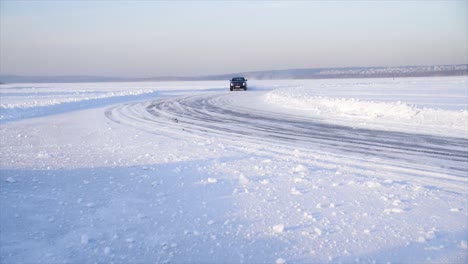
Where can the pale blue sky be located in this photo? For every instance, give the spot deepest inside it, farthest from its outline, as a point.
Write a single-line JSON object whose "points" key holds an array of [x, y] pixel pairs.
{"points": [[160, 38]]}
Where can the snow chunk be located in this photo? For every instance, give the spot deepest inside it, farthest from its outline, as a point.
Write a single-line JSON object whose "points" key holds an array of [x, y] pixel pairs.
{"points": [[295, 191], [264, 182], [464, 244], [280, 261], [278, 228], [243, 180], [318, 231], [300, 168], [393, 210], [373, 184], [212, 180], [10, 180]]}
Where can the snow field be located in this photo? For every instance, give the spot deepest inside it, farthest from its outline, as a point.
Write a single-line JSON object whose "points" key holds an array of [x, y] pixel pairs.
{"points": [[166, 213], [76, 186], [423, 111]]}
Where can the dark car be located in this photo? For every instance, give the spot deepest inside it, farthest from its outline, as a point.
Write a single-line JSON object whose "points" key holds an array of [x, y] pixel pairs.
{"points": [[238, 83]]}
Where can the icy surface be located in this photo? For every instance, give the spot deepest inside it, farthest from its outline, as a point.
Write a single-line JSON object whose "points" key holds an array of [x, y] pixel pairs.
{"points": [[190, 172]]}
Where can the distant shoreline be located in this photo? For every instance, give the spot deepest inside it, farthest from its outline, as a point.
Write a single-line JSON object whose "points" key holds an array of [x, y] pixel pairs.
{"points": [[311, 73]]}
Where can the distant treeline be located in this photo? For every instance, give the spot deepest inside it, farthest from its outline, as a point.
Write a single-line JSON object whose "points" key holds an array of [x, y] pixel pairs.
{"points": [[314, 73], [358, 72]]}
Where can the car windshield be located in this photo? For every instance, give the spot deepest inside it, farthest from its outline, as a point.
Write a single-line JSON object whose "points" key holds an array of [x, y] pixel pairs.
{"points": [[238, 79]]}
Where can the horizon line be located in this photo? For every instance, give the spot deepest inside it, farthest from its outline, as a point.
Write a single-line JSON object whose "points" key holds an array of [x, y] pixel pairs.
{"points": [[219, 74]]}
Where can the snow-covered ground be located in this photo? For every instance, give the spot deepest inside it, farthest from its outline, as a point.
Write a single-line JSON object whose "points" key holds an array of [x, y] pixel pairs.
{"points": [[421, 105], [295, 171]]}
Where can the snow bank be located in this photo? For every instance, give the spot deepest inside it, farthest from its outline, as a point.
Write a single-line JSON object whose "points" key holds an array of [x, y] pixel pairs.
{"points": [[396, 115], [50, 98], [20, 101]]}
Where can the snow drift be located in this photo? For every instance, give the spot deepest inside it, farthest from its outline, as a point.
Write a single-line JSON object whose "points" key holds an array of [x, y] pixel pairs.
{"points": [[384, 115]]}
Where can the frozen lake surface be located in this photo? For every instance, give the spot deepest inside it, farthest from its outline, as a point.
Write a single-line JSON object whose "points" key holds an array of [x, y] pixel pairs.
{"points": [[300, 171]]}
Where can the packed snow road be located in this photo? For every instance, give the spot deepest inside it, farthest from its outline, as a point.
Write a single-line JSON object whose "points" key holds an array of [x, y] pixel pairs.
{"points": [[236, 115]]}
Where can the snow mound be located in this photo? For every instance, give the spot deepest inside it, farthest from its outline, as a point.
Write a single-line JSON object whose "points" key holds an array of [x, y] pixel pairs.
{"points": [[355, 112], [48, 99]]}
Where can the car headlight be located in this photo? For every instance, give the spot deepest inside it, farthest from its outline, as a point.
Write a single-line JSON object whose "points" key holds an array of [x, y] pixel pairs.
{"points": [[231, 84], [243, 84]]}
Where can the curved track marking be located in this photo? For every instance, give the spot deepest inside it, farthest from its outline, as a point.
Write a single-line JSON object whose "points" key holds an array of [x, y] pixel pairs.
{"points": [[220, 115]]}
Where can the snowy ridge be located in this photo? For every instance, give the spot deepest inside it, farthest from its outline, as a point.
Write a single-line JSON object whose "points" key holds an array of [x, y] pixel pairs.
{"points": [[54, 99], [38, 95], [371, 114]]}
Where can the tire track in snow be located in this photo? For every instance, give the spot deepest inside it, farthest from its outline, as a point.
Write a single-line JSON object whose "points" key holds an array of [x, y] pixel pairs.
{"points": [[230, 116]]}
